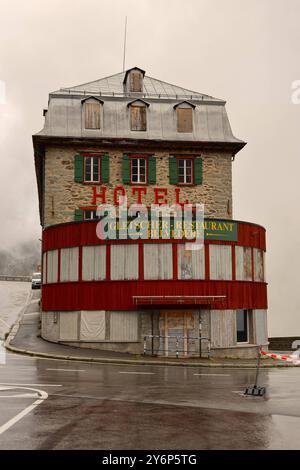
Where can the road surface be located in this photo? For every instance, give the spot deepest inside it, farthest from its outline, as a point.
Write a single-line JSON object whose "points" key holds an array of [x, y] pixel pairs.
{"points": [[55, 404], [13, 296]]}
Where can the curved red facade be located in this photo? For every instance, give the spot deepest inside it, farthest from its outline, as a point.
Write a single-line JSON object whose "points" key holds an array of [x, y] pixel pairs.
{"points": [[117, 295]]}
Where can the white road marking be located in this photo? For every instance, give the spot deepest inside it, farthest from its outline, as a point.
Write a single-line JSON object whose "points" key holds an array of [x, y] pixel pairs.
{"points": [[68, 370], [215, 375], [42, 397], [33, 385], [140, 373]]}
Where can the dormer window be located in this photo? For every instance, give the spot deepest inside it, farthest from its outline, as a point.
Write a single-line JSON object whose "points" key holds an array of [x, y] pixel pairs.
{"points": [[133, 80], [184, 114], [138, 115], [92, 113]]}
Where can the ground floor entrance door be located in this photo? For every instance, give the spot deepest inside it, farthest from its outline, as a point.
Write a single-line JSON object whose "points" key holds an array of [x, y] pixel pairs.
{"points": [[176, 329]]}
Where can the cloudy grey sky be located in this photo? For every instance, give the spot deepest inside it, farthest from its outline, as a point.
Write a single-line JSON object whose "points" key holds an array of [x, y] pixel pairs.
{"points": [[246, 52]]}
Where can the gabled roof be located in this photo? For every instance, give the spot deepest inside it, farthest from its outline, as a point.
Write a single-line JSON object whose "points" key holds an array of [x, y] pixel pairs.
{"points": [[92, 98], [152, 87], [184, 102], [138, 101]]}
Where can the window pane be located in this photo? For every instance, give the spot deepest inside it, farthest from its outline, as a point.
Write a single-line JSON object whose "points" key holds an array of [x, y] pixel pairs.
{"points": [[87, 168], [95, 169], [242, 326]]}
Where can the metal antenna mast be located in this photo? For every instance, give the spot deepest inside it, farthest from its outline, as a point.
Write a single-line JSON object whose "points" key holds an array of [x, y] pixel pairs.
{"points": [[125, 34]]}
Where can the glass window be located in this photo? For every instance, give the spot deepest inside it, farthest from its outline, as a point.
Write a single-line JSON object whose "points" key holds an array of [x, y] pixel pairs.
{"points": [[138, 170], [185, 170], [92, 169], [90, 214], [242, 326]]}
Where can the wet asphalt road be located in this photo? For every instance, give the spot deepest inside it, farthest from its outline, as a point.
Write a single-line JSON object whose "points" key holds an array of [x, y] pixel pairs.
{"points": [[94, 406]]}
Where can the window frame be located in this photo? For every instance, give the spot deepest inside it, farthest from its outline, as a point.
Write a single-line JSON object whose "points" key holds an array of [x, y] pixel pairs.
{"points": [[139, 157], [192, 183], [99, 169], [89, 210], [247, 325]]}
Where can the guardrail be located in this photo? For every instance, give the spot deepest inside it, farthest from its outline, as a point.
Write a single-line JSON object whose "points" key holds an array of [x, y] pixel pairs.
{"points": [[15, 278], [179, 345]]}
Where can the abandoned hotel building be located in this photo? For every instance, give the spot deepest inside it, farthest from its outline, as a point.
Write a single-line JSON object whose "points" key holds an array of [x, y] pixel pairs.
{"points": [[130, 134]]}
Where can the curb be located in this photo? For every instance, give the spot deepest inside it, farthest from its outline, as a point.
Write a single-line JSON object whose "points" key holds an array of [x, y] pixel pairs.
{"points": [[103, 360]]}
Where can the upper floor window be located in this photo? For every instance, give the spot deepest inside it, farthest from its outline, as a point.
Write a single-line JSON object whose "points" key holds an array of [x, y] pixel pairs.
{"points": [[138, 170], [184, 114], [136, 82], [138, 115], [90, 214], [185, 170], [133, 80], [92, 113], [92, 169]]}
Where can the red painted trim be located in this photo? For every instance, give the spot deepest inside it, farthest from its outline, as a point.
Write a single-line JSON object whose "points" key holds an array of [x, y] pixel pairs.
{"points": [[58, 264], [118, 295], [206, 261], [141, 262], [175, 262], [84, 233], [108, 262], [233, 262]]}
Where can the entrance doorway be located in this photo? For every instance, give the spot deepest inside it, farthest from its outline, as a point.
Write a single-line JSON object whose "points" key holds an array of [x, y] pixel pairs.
{"points": [[176, 328]]}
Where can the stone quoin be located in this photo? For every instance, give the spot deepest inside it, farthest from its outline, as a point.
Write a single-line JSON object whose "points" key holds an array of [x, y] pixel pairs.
{"points": [[130, 135]]}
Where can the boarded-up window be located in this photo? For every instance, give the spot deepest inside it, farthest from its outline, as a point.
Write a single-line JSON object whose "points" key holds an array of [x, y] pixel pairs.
{"points": [[124, 262], [190, 263], [69, 264], [136, 82], [158, 261], [138, 118], [258, 265], [52, 266], [184, 119], [93, 263], [243, 263], [124, 326], [68, 326], [92, 325], [220, 262], [223, 325], [92, 114]]}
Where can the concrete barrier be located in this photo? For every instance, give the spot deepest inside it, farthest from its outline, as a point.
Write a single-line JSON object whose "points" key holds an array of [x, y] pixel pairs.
{"points": [[15, 278]]}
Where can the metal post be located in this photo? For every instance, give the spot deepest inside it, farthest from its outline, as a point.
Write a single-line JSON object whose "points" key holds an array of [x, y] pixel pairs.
{"points": [[145, 345], [177, 345], [257, 365]]}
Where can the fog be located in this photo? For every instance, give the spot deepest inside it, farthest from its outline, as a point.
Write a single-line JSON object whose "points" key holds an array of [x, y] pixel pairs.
{"points": [[246, 52]]}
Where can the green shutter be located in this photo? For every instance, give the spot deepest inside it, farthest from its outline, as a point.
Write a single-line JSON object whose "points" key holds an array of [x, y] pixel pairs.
{"points": [[78, 215], [126, 169], [105, 168], [78, 168], [173, 170], [198, 170], [152, 170]]}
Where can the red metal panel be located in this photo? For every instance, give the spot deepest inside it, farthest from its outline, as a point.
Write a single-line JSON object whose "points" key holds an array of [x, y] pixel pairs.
{"points": [[84, 233], [118, 295]]}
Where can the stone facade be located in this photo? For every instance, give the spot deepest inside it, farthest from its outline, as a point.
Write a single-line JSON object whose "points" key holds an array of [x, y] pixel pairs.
{"points": [[63, 195]]}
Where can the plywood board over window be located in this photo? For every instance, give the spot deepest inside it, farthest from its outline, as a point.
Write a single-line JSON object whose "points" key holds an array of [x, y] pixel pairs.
{"points": [[184, 119], [135, 82], [138, 118], [92, 115]]}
